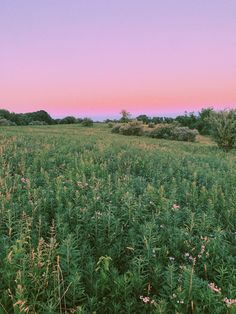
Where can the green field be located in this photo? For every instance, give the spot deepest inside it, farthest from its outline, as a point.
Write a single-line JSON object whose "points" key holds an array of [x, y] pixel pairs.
{"points": [[95, 222]]}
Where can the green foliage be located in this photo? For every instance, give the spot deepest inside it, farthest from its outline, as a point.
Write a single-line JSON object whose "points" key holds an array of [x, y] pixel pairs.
{"points": [[131, 128], [202, 124], [110, 125], [87, 122], [173, 132], [37, 123], [5, 122], [143, 118], [125, 116], [223, 128], [95, 222], [68, 120], [187, 120], [116, 128], [151, 125]]}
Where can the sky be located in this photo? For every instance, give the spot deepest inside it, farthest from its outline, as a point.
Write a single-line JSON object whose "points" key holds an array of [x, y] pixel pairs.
{"points": [[96, 57]]}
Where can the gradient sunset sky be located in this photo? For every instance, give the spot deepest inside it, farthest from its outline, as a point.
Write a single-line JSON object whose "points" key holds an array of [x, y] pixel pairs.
{"points": [[96, 57]]}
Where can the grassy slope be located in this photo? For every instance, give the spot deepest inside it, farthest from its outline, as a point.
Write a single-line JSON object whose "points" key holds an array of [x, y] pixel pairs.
{"points": [[93, 222]]}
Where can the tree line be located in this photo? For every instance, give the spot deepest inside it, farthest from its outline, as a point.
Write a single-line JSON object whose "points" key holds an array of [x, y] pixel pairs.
{"points": [[221, 125], [40, 117]]}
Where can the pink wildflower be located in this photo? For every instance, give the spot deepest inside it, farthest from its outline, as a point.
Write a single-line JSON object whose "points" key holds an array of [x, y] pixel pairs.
{"points": [[24, 180], [214, 288], [229, 302], [175, 206], [146, 300]]}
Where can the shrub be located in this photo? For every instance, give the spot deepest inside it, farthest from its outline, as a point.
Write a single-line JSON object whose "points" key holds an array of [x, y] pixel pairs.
{"points": [[37, 123], [184, 134], [173, 132], [87, 122], [5, 122], [131, 128], [162, 131], [151, 125], [68, 120], [110, 125], [223, 128], [116, 128]]}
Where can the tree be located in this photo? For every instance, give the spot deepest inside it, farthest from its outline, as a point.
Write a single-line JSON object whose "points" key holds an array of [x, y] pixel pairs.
{"points": [[5, 114], [188, 119], [68, 120], [223, 128], [125, 116], [202, 123], [87, 122], [144, 118]]}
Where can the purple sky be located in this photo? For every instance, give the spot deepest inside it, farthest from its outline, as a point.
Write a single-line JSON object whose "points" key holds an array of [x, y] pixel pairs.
{"points": [[95, 58]]}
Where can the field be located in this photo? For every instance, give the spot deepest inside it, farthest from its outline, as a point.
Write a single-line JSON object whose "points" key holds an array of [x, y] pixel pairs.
{"points": [[95, 222]]}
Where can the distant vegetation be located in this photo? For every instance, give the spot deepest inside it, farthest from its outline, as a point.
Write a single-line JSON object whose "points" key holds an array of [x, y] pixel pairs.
{"points": [[220, 125]]}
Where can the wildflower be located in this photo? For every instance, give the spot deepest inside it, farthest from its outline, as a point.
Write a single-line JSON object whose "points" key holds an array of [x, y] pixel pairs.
{"points": [[214, 288], [203, 248], [171, 258], [206, 239], [175, 206], [82, 185], [146, 300], [24, 180], [186, 254], [180, 301], [162, 226], [229, 302]]}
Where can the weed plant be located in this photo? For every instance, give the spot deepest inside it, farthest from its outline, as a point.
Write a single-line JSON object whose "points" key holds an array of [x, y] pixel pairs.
{"points": [[95, 222]]}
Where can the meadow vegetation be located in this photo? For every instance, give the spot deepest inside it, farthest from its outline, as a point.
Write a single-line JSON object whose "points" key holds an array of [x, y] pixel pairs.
{"points": [[95, 222]]}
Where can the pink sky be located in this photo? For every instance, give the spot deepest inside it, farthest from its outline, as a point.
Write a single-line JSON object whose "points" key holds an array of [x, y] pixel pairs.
{"points": [[90, 58]]}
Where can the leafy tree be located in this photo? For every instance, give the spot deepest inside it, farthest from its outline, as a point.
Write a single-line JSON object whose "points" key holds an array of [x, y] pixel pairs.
{"points": [[202, 123], [188, 119], [87, 122], [157, 120], [144, 118], [40, 115], [5, 122], [223, 128], [125, 116], [68, 120], [5, 114]]}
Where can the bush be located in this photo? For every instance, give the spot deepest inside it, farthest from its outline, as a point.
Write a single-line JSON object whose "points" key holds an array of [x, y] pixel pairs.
{"points": [[5, 122], [173, 132], [110, 125], [68, 120], [131, 128], [116, 128], [162, 131], [87, 122], [223, 128], [151, 125], [184, 134], [37, 123]]}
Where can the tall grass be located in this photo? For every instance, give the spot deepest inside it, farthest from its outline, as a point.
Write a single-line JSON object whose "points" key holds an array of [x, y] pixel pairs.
{"points": [[92, 222]]}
